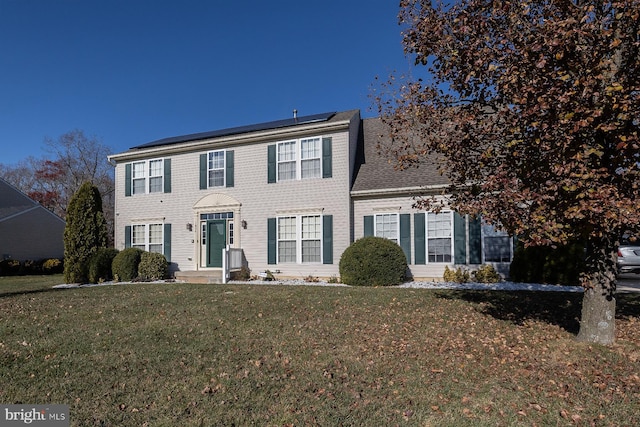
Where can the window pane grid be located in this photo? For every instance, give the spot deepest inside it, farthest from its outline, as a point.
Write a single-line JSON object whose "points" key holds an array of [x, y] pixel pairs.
{"points": [[439, 233], [216, 169], [387, 226]]}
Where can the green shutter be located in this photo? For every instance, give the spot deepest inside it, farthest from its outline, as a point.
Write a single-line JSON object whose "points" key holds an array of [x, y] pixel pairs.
{"points": [[272, 240], [419, 246], [127, 180], [271, 164], [475, 241], [229, 168], [204, 178], [167, 242], [127, 236], [327, 239], [167, 175], [368, 225], [459, 239], [326, 158], [405, 235]]}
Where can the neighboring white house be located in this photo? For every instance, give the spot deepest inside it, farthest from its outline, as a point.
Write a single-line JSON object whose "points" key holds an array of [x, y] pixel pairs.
{"points": [[28, 231], [292, 195]]}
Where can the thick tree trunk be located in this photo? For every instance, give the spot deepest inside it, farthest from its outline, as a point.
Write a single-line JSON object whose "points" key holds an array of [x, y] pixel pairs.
{"points": [[597, 324]]}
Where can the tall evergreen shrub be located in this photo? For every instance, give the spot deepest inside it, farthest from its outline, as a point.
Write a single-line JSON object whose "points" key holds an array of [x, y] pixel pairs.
{"points": [[85, 232]]}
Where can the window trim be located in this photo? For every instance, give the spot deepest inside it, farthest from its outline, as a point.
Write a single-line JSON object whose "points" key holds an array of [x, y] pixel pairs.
{"points": [[223, 169], [451, 238], [397, 231], [146, 176], [298, 158], [500, 234], [299, 238], [147, 235]]}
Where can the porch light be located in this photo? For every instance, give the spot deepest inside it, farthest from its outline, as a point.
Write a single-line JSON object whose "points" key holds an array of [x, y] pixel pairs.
{"points": [[244, 224], [189, 226]]}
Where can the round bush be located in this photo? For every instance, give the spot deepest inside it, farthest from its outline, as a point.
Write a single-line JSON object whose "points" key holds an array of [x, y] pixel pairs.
{"points": [[52, 266], [125, 264], [153, 266], [373, 261], [100, 265]]}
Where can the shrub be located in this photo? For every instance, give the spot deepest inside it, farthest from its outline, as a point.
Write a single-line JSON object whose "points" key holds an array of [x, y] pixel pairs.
{"points": [[100, 265], [373, 261], [125, 264], [10, 267], [486, 274], [153, 266], [52, 266], [458, 275], [31, 266], [541, 264]]}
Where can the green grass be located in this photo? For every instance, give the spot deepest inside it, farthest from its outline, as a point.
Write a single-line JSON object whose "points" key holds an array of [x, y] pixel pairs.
{"points": [[191, 355]]}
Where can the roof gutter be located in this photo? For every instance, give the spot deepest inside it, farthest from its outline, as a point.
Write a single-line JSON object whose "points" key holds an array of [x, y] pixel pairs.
{"points": [[404, 191]]}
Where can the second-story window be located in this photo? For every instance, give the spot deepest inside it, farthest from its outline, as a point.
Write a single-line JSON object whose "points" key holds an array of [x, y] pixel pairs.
{"points": [[216, 168], [287, 160], [310, 160], [147, 176]]}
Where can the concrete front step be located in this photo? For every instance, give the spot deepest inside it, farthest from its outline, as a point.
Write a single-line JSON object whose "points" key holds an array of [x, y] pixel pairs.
{"points": [[205, 276]]}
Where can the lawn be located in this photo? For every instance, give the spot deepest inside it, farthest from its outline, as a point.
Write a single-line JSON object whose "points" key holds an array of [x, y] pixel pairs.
{"points": [[202, 355]]}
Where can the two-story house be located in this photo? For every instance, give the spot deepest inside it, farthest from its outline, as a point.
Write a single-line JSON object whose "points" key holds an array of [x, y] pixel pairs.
{"points": [[289, 195]]}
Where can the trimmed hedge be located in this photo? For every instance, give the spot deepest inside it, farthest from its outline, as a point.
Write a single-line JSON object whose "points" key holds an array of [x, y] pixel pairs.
{"points": [[373, 261], [153, 266], [125, 264], [100, 265], [543, 264]]}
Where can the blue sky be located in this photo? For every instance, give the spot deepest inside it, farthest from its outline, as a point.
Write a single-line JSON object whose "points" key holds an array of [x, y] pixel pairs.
{"points": [[133, 71]]}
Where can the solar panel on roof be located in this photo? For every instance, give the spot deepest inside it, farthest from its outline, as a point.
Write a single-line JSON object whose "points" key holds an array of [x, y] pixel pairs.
{"points": [[314, 118]]}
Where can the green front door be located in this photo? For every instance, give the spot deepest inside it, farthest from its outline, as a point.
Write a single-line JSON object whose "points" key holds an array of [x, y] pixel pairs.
{"points": [[216, 241]]}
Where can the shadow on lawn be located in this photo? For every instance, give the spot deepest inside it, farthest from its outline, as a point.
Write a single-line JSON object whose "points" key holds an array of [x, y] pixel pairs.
{"points": [[12, 293], [556, 308]]}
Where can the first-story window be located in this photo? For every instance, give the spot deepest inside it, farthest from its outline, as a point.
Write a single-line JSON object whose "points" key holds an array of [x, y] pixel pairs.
{"points": [[496, 244], [300, 239], [287, 239], [147, 237], [439, 234], [311, 238], [387, 226]]}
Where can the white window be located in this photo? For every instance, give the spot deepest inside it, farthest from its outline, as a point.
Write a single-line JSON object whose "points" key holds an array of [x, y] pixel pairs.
{"points": [[156, 176], [496, 245], [216, 168], [439, 236], [147, 176], [300, 239], [311, 238], [287, 239], [287, 160], [387, 226], [299, 159], [310, 160], [148, 237]]}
